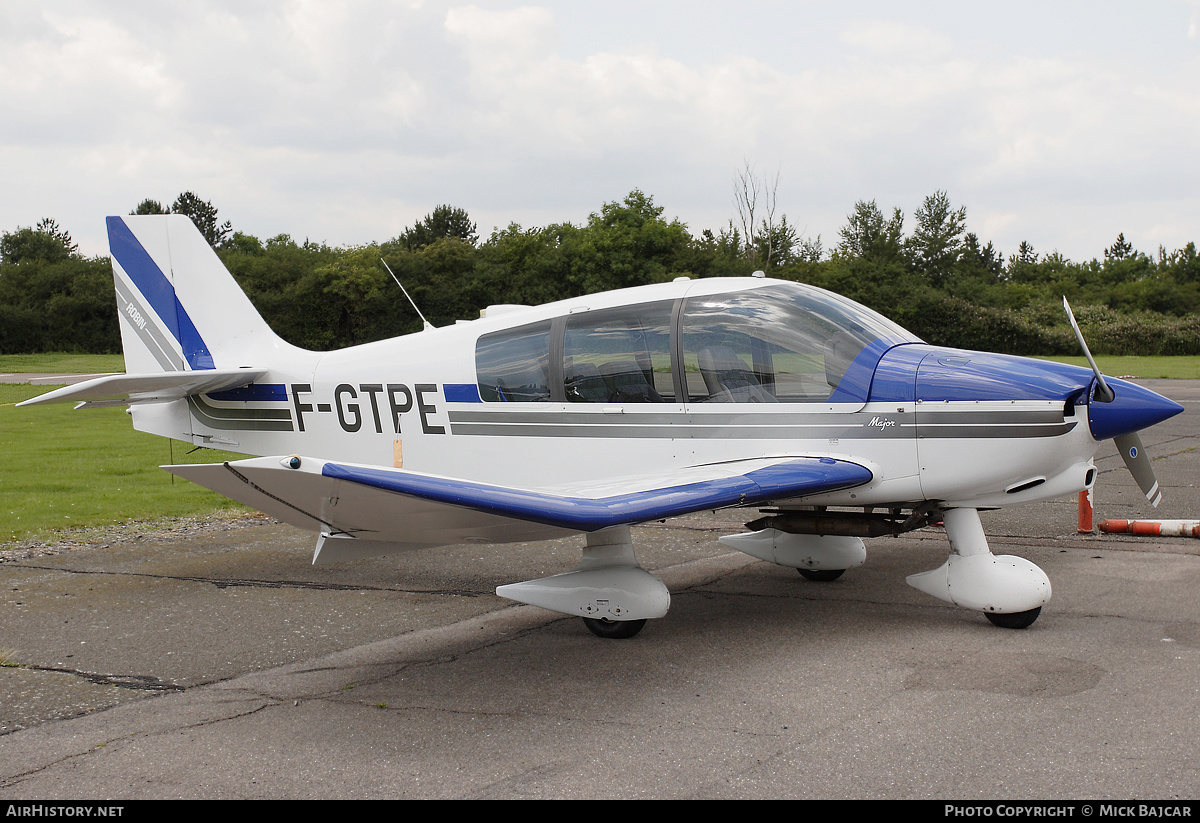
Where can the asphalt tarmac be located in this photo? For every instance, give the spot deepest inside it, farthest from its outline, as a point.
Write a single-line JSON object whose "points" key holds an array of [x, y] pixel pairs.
{"points": [[214, 661]]}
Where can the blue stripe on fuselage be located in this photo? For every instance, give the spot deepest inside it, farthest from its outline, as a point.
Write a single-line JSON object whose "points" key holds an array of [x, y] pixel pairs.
{"points": [[271, 392], [461, 393]]}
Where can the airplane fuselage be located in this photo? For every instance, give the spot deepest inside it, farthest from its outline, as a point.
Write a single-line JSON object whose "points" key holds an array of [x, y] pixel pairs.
{"points": [[415, 402]]}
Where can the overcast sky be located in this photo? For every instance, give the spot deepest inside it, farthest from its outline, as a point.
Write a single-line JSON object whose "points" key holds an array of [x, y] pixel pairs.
{"points": [[344, 122]]}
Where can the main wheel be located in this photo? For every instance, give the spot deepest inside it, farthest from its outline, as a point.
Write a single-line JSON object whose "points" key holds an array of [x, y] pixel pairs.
{"points": [[821, 575], [1014, 620], [613, 629]]}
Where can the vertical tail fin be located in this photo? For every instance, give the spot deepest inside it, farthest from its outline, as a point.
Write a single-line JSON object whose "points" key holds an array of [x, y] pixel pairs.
{"points": [[180, 308], [196, 350]]}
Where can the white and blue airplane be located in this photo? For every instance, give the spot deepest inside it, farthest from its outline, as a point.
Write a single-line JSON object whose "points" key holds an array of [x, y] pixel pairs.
{"points": [[590, 415]]}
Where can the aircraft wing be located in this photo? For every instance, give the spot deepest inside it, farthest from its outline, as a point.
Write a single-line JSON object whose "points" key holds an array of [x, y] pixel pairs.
{"points": [[125, 389], [410, 509]]}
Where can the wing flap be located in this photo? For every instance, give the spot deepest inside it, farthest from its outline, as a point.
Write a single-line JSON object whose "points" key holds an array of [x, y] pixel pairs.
{"points": [[408, 507], [127, 389]]}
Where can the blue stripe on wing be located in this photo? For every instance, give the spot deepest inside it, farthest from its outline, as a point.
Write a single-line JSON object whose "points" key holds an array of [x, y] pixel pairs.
{"points": [[802, 476]]}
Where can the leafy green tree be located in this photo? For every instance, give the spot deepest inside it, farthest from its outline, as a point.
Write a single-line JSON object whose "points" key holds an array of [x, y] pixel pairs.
{"points": [[867, 235], [204, 215], [443, 280], [245, 243], [528, 266], [979, 260], [444, 221], [1183, 264], [776, 243], [936, 241], [1120, 250], [717, 255], [149, 206], [282, 285], [628, 244], [60, 305], [320, 297], [355, 285], [1025, 254], [46, 242], [810, 250]]}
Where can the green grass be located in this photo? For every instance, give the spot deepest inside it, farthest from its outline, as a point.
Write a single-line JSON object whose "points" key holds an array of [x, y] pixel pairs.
{"points": [[1179, 368], [62, 469], [62, 363]]}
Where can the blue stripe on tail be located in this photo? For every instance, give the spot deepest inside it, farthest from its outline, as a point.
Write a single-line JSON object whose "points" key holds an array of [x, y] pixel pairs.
{"points": [[159, 293]]}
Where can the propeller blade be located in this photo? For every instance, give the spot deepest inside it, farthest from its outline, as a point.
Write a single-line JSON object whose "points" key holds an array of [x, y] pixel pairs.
{"points": [[1103, 393], [1129, 445], [1138, 462]]}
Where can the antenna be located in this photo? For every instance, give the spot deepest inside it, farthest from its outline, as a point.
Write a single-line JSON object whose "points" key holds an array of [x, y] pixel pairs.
{"points": [[428, 325]]}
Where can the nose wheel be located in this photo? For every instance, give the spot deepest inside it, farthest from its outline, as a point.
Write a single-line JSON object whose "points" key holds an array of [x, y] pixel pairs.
{"points": [[613, 629], [1016, 620], [821, 575]]}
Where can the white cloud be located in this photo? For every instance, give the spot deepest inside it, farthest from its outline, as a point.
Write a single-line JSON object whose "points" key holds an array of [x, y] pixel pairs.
{"points": [[346, 121], [501, 39], [894, 41]]}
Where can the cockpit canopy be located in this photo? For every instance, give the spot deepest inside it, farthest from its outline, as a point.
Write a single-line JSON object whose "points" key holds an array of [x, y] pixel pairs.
{"points": [[778, 343]]}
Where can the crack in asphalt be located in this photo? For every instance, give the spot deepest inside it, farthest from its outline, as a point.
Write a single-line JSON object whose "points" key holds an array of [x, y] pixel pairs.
{"points": [[137, 682], [233, 582], [16, 779]]}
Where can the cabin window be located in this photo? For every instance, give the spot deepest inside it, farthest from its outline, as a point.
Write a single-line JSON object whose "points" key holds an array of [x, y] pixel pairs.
{"points": [[771, 345], [620, 355], [514, 365]]}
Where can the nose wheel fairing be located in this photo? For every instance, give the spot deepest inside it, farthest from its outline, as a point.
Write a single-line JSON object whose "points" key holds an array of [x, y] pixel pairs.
{"points": [[606, 587], [974, 578]]}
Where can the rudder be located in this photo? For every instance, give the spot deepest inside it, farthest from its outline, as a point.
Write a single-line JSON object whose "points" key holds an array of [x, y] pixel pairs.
{"points": [[180, 308]]}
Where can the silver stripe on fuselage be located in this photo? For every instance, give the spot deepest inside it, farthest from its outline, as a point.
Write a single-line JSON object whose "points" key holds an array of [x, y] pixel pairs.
{"points": [[855, 425], [246, 419]]}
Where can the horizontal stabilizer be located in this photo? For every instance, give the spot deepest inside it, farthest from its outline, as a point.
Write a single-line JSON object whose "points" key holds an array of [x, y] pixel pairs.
{"points": [[127, 389], [406, 507]]}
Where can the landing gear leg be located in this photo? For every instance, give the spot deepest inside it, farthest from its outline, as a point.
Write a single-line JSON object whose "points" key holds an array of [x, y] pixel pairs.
{"points": [[1008, 589]]}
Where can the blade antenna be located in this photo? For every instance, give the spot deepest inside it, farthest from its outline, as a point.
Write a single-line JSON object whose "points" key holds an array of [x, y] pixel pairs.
{"points": [[412, 302], [1104, 394]]}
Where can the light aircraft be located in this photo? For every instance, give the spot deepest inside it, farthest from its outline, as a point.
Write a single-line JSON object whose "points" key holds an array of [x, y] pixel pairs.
{"points": [[595, 413]]}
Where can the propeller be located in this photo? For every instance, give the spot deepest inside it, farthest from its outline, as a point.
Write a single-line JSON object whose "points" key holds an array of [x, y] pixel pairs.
{"points": [[1129, 443], [1138, 463]]}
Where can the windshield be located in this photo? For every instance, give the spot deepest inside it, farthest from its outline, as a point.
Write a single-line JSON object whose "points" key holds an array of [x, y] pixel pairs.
{"points": [[779, 344]]}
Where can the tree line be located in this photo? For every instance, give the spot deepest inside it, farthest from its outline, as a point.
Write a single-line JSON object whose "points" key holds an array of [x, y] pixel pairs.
{"points": [[937, 279]]}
